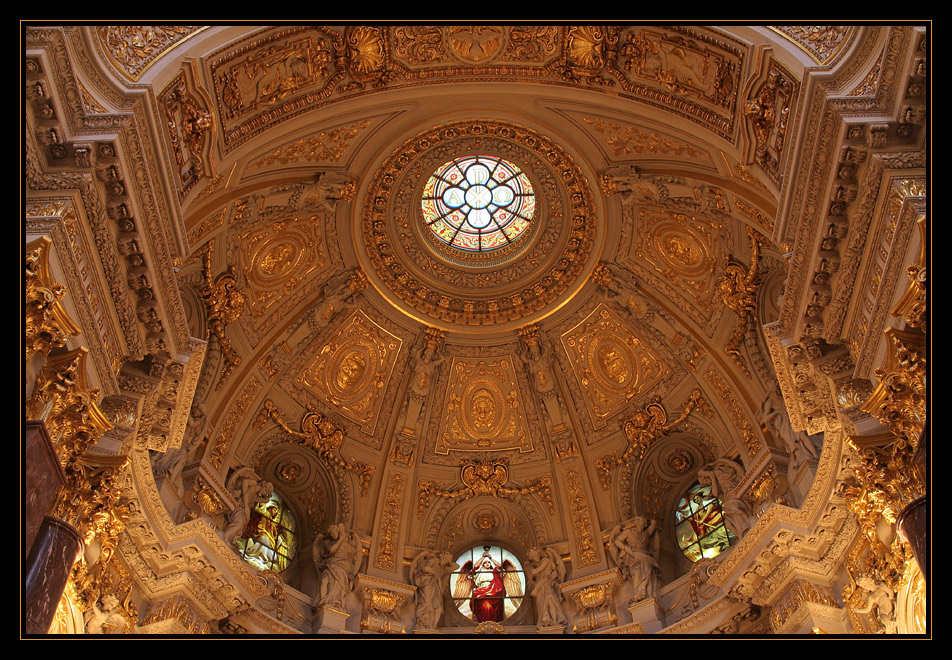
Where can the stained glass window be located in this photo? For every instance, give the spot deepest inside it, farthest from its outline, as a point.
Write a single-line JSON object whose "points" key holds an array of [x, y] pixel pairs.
{"points": [[489, 585], [699, 524], [269, 539], [478, 203]]}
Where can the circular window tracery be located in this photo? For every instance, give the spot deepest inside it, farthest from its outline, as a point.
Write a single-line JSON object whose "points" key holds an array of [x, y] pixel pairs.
{"points": [[269, 540], [478, 203], [699, 524], [489, 585]]}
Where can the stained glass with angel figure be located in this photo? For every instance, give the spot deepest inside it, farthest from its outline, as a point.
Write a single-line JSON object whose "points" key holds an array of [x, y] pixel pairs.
{"points": [[489, 585], [269, 540]]}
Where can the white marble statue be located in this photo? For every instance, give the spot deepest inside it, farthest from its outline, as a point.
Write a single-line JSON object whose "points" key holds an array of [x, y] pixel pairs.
{"points": [[880, 603], [171, 463], [545, 571], [337, 556], [723, 476], [798, 444], [635, 546], [427, 573], [248, 489]]}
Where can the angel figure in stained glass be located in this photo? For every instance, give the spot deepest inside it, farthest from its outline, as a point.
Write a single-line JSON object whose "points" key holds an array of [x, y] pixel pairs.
{"points": [[487, 584]]}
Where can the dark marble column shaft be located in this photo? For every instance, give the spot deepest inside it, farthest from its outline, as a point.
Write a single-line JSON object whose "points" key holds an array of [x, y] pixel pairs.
{"points": [[57, 547]]}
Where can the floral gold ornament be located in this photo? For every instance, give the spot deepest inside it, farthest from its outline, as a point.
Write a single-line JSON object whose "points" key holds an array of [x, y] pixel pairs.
{"points": [[483, 410], [612, 365], [46, 324], [224, 303], [351, 371], [642, 429], [325, 438], [485, 478], [737, 288]]}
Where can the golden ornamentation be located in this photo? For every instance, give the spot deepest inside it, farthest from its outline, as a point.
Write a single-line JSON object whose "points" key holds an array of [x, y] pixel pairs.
{"points": [[456, 289], [585, 48], [180, 609], [737, 288], [326, 147], [483, 411], [900, 400], [381, 612], [133, 48], [913, 306], [489, 628], [366, 53], [476, 43], [220, 448], [594, 607], [188, 126], [627, 139], [46, 325], [581, 519], [277, 258], [768, 112], [821, 42], [642, 429], [390, 523], [611, 364], [67, 406], [680, 248], [351, 371], [738, 417], [698, 70], [796, 595], [224, 303], [325, 438], [485, 478]]}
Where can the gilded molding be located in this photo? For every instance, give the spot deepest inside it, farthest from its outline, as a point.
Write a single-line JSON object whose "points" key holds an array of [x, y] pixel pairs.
{"points": [[485, 478], [821, 42], [132, 49], [47, 326]]}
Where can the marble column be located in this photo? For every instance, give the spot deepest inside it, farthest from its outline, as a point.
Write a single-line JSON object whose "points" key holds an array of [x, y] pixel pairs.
{"points": [[57, 547]]}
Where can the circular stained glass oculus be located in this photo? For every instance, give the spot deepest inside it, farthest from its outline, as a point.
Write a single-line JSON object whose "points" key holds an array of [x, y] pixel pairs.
{"points": [[478, 203]]}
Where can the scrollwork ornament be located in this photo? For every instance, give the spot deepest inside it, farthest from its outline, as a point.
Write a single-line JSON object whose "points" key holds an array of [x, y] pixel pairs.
{"points": [[325, 438], [485, 478]]}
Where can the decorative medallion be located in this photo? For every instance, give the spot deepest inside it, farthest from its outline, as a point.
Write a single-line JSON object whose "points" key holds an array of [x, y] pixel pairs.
{"points": [[612, 365], [482, 409], [277, 257], [448, 213], [352, 369]]}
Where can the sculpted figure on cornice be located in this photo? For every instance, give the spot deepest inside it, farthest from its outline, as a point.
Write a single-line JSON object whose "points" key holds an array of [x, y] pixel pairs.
{"points": [[537, 358], [723, 476], [337, 557], [172, 462], [248, 490], [546, 571], [773, 416], [427, 572], [635, 546]]}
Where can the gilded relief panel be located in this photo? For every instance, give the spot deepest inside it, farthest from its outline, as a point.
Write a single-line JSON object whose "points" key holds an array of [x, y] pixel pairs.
{"points": [[482, 408], [254, 82], [680, 248], [276, 258], [611, 364], [351, 372]]}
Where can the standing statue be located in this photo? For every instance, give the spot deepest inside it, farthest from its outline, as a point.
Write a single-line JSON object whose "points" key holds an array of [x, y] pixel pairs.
{"points": [[425, 364], [248, 490], [538, 361], [426, 574], [171, 463], [545, 570], [337, 557], [798, 443], [723, 476], [635, 547]]}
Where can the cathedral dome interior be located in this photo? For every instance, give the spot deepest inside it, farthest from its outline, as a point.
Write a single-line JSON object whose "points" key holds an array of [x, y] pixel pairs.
{"points": [[475, 329]]}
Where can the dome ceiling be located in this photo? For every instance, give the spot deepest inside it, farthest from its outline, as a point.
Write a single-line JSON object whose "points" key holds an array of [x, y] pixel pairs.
{"points": [[457, 282]]}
